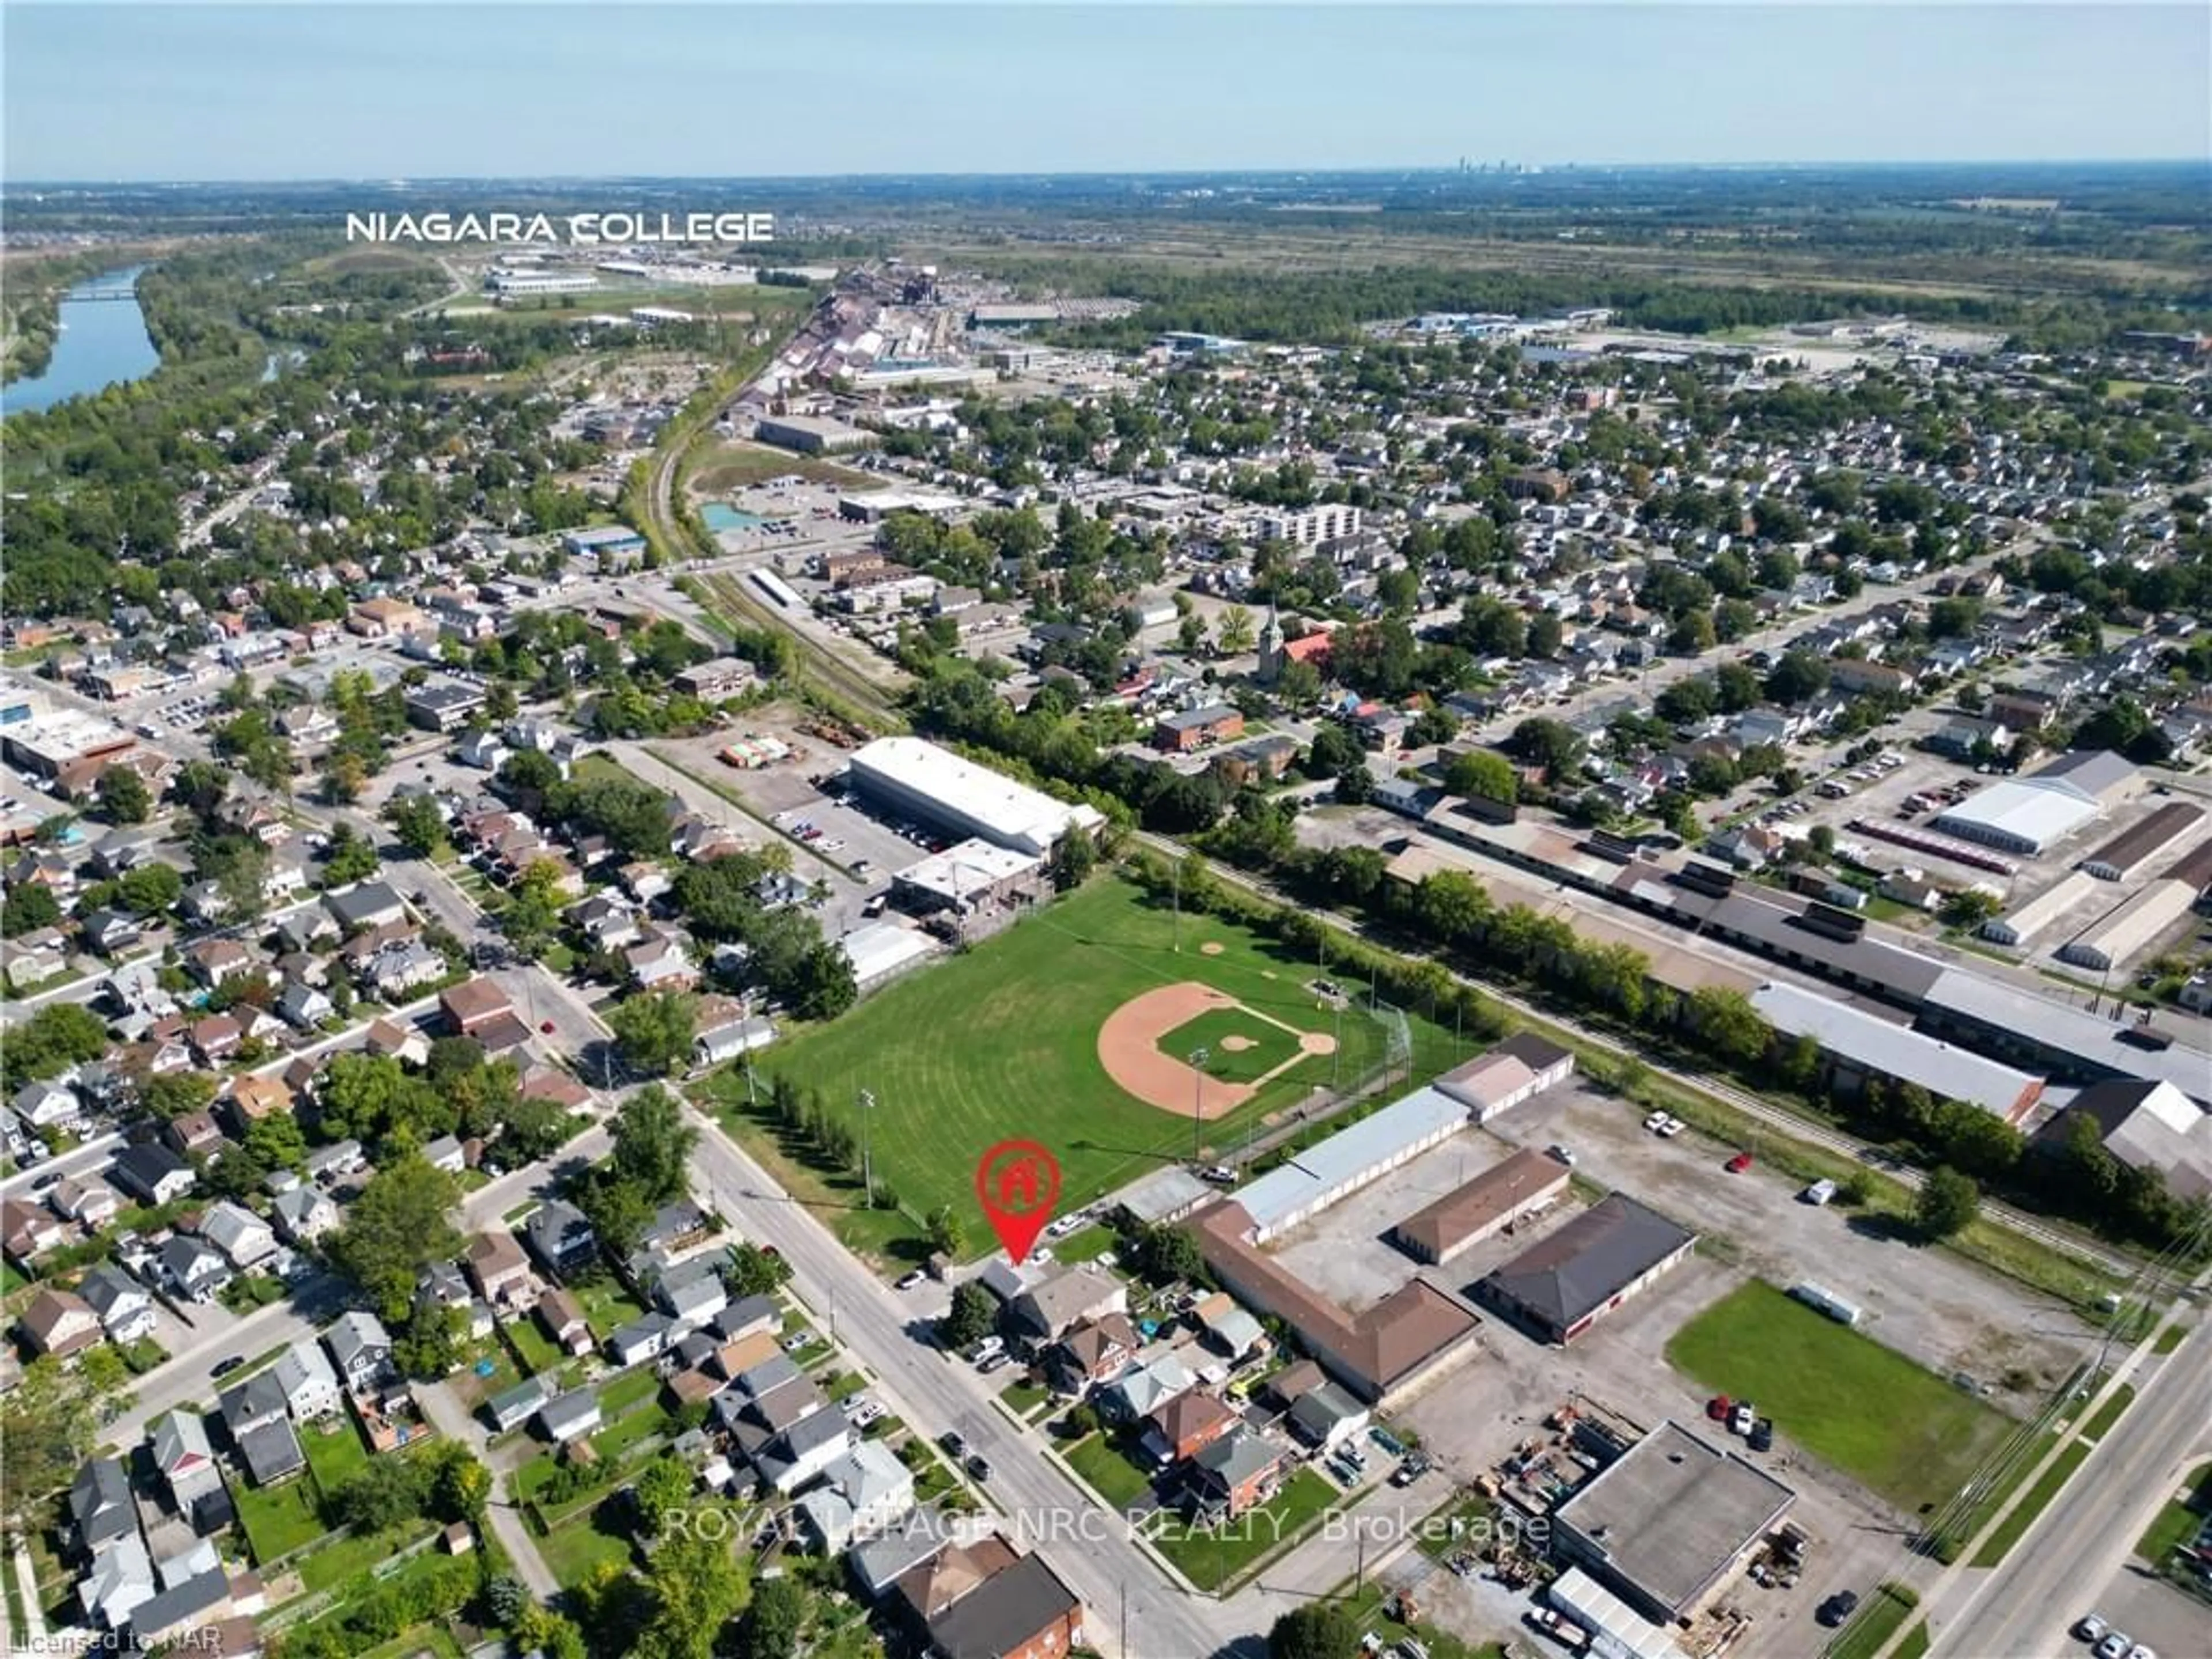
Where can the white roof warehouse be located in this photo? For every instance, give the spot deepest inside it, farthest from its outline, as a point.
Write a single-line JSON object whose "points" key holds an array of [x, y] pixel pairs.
{"points": [[937, 784]]}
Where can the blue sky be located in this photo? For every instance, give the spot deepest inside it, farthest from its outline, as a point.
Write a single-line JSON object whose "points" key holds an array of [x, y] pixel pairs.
{"points": [[97, 91]]}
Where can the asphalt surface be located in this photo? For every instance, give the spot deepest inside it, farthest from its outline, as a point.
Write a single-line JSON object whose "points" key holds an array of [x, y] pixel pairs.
{"points": [[2025, 1607]]}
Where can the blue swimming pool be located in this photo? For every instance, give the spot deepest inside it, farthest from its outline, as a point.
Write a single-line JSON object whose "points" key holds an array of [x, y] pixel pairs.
{"points": [[720, 517]]}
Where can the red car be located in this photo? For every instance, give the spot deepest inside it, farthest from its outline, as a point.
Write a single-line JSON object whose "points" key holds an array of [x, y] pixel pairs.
{"points": [[1739, 1164], [1718, 1407], [546, 1026]]}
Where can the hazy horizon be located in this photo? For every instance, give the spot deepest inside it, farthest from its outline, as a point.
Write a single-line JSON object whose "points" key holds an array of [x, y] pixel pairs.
{"points": [[339, 93]]}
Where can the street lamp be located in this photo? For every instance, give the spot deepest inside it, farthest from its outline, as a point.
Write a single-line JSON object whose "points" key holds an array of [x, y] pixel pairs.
{"points": [[1198, 1058], [867, 1162]]}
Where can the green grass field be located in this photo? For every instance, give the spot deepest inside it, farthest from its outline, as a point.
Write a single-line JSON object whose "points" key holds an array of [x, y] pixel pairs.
{"points": [[1004, 1040], [1876, 1623], [1871, 1412], [1240, 1049], [2038, 1499], [1211, 1559], [2177, 1523]]}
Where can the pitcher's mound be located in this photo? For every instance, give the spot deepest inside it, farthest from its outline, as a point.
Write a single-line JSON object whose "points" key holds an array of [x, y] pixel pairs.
{"points": [[1237, 1045]]}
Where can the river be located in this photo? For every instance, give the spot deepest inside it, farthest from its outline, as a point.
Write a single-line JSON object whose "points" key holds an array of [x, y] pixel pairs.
{"points": [[103, 341]]}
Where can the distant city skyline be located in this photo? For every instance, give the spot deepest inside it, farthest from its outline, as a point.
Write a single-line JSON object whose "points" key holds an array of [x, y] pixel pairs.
{"points": [[125, 93]]}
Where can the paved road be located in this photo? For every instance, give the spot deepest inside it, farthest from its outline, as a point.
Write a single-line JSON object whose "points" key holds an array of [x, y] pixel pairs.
{"points": [[456, 1422], [2025, 1606], [184, 1378]]}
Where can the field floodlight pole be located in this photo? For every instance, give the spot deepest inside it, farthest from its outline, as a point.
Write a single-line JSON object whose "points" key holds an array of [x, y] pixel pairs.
{"points": [[1174, 937], [867, 1159], [1198, 1058]]}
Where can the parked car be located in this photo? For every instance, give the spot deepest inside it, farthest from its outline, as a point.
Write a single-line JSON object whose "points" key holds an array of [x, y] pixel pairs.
{"points": [[2091, 1627], [1739, 1164], [1655, 1121], [224, 1367], [1844, 1603], [1564, 1154], [1742, 1419], [954, 1445], [1761, 1437], [978, 1468], [1672, 1126], [1819, 1192], [912, 1279], [2114, 1646]]}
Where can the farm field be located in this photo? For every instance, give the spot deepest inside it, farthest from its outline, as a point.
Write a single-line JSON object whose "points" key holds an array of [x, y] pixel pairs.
{"points": [[1005, 1041], [1864, 1408]]}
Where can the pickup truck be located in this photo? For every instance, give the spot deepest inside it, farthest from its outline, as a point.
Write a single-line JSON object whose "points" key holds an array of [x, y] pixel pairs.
{"points": [[1560, 1628]]}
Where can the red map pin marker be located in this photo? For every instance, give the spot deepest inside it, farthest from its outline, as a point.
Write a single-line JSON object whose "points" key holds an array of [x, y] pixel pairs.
{"points": [[1018, 1183]]}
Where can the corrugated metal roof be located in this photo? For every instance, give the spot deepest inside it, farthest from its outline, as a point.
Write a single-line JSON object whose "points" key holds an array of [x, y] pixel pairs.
{"points": [[1943, 1069], [1344, 1157]]}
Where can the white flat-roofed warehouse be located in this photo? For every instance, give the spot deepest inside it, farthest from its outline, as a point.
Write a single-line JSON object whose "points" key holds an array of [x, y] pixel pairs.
{"points": [[1345, 1162], [961, 878], [1860, 1045], [2132, 926], [810, 435], [880, 950], [52, 741], [2031, 814], [1668, 1522], [917, 777]]}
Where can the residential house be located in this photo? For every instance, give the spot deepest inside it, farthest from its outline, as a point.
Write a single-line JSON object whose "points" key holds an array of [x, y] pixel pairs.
{"points": [[303, 1007], [61, 1323], [110, 931], [152, 1173], [215, 1038], [215, 963], [195, 1134], [244, 1238], [1187, 1424], [362, 1348], [404, 1043], [119, 1582], [125, 1310], [1025, 1612], [1054, 1303], [514, 1406], [647, 1338], [562, 1319], [305, 1213], [1232, 1474], [499, 1270], [1090, 1351], [333, 1163], [1326, 1417], [192, 1268], [182, 1454], [1142, 1388], [690, 1292], [557, 1234], [49, 1104], [254, 1098], [252, 1404], [28, 1231], [86, 1199], [304, 1373], [101, 1510], [862, 1494], [364, 905], [570, 1416], [271, 1452]]}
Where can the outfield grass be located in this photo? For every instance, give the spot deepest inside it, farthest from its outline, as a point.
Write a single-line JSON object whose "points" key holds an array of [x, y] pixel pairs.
{"points": [[1212, 1560], [1004, 1040], [1871, 1412]]}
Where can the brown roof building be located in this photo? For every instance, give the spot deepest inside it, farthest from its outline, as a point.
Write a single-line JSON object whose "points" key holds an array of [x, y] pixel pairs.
{"points": [[1518, 1186]]}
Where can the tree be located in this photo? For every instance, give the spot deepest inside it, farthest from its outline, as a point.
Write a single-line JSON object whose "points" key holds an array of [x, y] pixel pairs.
{"points": [[653, 1145], [533, 915], [660, 1488], [1546, 635], [349, 858], [1074, 856], [59, 1036], [694, 1584], [401, 1223], [151, 890], [654, 1031], [1484, 775], [29, 907], [1730, 1025], [122, 796], [1318, 1630], [944, 1226], [753, 1271], [1235, 633], [172, 1094], [1335, 751], [970, 1319], [1551, 745], [415, 821], [1355, 785], [48, 1421], [771, 1624], [1738, 687], [1970, 906], [1798, 676], [1946, 1202]]}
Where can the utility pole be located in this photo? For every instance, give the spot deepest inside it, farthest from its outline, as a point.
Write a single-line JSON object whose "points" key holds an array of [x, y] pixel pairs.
{"points": [[868, 1160], [1175, 936], [1198, 1058], [745, 1035]]}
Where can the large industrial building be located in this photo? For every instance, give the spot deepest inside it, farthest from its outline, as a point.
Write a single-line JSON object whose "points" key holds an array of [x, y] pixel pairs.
{"points": [[2146, 1126], [965, 876], [917, 777], [1500, 1078], [2032, 814], [49, 742], [1522, 1184], [810, 434], [1560, 1286], [1669, 1522], [1348, 1160], [1857, 1046]]}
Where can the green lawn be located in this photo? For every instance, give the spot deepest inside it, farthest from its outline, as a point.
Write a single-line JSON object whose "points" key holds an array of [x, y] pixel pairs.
{"points": [[1893, 1604], [574, 1547], [335, 1454], [619, 1436], [1871, 1413], [1004, 1040], [632, 1388], [1211, 1559], [1111, 1475], [347, 1559], [530, 1345], [279, 1519], [607, 1307], [1240, 1049], [2102, 1425], [2177, 1523], [1085, 1242], [1024, 1398]]}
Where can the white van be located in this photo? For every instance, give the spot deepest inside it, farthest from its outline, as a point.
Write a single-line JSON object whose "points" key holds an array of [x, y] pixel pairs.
{"points": [[1819, 1192]]}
